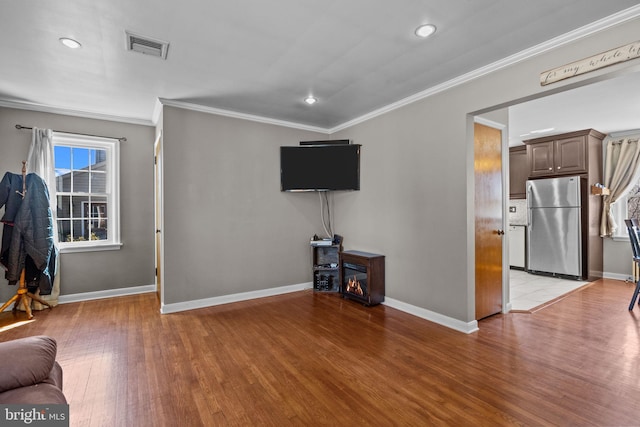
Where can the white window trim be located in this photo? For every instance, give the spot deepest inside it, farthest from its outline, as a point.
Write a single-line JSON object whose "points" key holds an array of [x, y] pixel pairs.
{"points": [[619, 211], [112, 145]]}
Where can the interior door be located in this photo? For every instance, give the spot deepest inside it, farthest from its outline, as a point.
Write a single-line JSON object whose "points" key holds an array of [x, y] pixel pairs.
{"points": [[158, 213], [489, 221]]}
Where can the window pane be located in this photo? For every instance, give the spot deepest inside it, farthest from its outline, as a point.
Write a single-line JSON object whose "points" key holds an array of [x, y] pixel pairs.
{"points": [[80, 158], [79, 207], [633, 202], [98, 182], [64, 207], [64, 231], [80, 230], [62, 156], [63, 180], [99, 233], [98, 159], [80, 182], [99, 217], [62, 160]]}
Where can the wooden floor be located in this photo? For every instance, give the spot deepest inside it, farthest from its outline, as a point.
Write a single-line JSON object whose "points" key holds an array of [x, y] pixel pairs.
{"points": [[315, 359]]}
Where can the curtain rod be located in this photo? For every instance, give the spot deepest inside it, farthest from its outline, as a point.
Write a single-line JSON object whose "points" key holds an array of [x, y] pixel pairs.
{"points": [[121, 139], [625, 133]]}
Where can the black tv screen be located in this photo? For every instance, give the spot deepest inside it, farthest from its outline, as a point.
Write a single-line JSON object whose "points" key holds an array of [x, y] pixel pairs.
{"points": [[320, 167]]}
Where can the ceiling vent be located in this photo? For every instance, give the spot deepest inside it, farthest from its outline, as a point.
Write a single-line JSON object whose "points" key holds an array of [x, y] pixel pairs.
{"points": [[147, 45]]}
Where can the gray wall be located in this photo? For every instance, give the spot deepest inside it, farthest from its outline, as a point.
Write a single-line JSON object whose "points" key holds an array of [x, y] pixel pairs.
{"points": [[227, 226], [617, 258], [133, 264], [416, 199]]}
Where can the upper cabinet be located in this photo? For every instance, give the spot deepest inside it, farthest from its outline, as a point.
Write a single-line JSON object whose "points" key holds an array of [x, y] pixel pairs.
{"points": [[518, 172], [566, 154]]}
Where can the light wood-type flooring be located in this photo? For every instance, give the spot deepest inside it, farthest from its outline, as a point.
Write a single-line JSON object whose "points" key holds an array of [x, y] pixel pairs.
{"points": [[310, 359]]}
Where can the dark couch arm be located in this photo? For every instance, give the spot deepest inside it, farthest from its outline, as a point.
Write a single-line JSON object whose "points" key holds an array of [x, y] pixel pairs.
{"points": [[26, 361]]}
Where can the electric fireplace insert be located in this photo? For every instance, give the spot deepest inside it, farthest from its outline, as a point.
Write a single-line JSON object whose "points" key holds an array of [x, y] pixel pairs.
{"points": [[362, 277]]}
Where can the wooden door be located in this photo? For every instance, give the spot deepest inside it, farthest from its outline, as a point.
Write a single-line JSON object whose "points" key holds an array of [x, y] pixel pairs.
{"points": [[158, 213], [488, 207]]}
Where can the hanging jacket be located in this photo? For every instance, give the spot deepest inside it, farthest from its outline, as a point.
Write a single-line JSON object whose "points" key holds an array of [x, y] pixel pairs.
{"points": [[32, 234], [11, 182], [9, 198]]}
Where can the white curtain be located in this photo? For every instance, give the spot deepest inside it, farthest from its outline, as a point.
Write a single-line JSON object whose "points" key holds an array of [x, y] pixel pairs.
{"points": [[40, 162], [621, 168]]}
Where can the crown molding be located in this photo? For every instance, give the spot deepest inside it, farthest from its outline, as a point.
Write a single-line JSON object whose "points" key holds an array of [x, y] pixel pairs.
{"points": [[30, 106], [243, 116], [587, 30]]}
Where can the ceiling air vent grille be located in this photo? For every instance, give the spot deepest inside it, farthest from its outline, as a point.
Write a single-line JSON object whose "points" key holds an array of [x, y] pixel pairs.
{"points": [[147, 45]]}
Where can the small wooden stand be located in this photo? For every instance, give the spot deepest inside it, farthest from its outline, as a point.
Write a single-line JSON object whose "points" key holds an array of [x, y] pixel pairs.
{"points": [[600, 191], [23, 295]]}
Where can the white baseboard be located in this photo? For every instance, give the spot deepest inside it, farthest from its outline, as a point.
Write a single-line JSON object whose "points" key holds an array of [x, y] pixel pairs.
{"points": [[432, 316], [617, 276], [109, 293], [507, 308], [226, 299]]}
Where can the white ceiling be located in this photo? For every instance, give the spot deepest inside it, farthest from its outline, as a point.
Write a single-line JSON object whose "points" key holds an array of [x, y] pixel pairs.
{"points": [[263, 57]]}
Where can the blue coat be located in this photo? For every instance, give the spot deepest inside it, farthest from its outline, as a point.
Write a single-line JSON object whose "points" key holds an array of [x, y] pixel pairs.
{"points": [[30, 225]]}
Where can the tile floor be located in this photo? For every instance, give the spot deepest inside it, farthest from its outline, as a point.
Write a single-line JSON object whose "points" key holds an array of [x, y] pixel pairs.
{"points": [[530, 290]]}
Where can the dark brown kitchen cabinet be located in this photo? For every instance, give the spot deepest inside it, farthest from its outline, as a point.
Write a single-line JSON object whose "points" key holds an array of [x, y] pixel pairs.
{"points": [[518, 172], [566, 154]]}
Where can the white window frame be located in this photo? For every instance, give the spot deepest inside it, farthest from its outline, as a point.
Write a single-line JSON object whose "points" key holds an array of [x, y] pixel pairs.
{"points": [[112, 147], [619, 211]]}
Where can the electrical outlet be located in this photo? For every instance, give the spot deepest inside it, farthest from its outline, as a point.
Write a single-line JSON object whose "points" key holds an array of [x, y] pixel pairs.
{"points": [[512, 209]]}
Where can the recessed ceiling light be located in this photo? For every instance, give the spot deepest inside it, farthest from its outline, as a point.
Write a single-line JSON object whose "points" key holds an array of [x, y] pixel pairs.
{"points": [[310, 100], [425, 30], [70, 43]]}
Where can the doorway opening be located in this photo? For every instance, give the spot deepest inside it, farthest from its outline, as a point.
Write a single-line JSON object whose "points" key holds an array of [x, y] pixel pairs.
{"points": [[602, 103]]}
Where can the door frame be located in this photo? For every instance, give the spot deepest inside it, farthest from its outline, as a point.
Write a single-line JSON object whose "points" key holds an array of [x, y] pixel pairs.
{"points": [[506, 301], [158, 236]]}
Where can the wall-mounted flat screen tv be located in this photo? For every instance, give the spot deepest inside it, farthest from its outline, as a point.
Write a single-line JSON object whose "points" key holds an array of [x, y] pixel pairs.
{"points": [[330, 167]]}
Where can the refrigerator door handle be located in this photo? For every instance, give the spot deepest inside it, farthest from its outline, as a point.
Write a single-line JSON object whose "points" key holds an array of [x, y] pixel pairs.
{"points": [[529, 218]]}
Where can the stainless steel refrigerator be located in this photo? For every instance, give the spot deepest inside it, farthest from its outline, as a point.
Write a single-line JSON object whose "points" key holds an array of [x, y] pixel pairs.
{"points": [[554, 226]]}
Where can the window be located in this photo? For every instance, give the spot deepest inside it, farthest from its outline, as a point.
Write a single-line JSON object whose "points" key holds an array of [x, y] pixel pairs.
{"points": [[626, 207], [87, 184]]}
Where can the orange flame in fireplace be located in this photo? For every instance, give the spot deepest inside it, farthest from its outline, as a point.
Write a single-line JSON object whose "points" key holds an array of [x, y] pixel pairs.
{"points": [[353, 286]]}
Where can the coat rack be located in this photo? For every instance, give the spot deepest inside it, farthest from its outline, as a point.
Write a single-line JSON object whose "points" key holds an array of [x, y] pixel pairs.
{"points": [[22, 294], [24, 180]]}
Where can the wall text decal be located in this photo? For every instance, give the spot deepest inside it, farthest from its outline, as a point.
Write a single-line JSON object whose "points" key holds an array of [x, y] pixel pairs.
{"points": [[605, 59]]}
